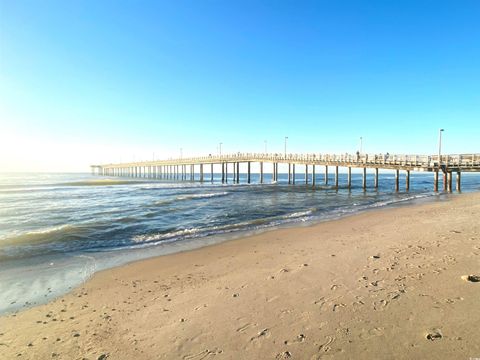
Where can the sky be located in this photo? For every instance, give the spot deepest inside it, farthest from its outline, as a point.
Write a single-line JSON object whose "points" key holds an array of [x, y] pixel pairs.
{"points": [[89, 82]]}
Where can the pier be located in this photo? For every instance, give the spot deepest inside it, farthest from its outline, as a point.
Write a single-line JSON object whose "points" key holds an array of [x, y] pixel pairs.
{"points": [[201, 168]]}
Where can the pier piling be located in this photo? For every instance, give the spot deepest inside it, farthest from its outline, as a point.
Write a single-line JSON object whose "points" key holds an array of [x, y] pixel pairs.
{"points": [[407, 180], [336, 177], [364, 178], [397, 175], [313, 175]]}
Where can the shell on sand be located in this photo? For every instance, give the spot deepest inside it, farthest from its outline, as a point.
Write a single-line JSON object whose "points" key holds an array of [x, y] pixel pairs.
{"points": [[471, 278]]}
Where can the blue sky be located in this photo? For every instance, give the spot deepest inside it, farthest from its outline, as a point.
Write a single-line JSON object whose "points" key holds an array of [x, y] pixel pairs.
{"points": [[98, 81]]}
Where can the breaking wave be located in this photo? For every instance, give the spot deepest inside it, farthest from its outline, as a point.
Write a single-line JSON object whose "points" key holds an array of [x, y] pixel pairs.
{"points": [[201, 196]]}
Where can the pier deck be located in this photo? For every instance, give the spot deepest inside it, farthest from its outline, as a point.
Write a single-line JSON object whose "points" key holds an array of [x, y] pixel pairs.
{"points": [[183, 169]]}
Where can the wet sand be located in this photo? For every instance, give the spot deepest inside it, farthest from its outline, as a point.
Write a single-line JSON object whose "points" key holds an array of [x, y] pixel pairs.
{"points": [[383, 284]]}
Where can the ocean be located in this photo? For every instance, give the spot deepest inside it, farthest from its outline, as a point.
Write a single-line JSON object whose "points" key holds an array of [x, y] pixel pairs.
{"points": [[56, 230]]}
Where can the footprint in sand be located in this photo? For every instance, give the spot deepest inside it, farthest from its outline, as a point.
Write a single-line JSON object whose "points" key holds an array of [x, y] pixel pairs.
{"points": [[452, 301], [377, 331], [449, 259], [325, 347], [244, 327], [300, 338], [357, 304], [272, 299], [380, 305], [261, 334], [320, 302], [284, 355], [471, 278], [203, 354], [396, 294]]}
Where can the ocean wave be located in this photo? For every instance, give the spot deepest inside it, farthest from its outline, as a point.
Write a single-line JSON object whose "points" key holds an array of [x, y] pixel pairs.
{"points": [[397, 201], [128, 219], [299, 214], [158, 237], [14, 189], [155, 185], [201, 196], [39, 236], [101, 182], [163, 202], [161, 237], [30, 189], [170, 200]]}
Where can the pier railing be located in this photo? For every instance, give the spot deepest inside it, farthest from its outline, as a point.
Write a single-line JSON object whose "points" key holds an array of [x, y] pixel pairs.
{"points": [[356, 160]]}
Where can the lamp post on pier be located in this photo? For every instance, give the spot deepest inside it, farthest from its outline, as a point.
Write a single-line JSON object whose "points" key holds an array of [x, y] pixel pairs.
{"points": [[361, 145], [220, 148], [440, 146], [285, 150]]}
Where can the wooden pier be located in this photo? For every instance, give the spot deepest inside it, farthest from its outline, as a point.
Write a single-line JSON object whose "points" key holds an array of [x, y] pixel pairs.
{"points": [[186, 169]]}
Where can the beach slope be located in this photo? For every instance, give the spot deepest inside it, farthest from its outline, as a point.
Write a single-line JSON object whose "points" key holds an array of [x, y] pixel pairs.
{"points": [[382, 284]]}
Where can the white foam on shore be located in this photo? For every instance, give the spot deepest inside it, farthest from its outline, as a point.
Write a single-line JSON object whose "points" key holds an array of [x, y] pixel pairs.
{"points": [[34, 284], [31, 284]]}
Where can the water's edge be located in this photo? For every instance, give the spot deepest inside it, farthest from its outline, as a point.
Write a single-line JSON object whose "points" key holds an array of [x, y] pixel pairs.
{"points": [[81, 267]]}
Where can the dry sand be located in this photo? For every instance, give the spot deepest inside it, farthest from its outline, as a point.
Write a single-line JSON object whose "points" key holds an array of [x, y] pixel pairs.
{"points": [[379, 285]]}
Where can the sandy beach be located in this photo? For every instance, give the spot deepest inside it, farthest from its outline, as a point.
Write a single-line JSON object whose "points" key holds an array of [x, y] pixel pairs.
{"points": [[380, 285]]}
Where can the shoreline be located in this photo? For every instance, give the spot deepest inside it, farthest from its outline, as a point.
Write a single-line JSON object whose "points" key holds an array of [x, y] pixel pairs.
{"points": [[321, 292], [80, 267], [102, 261]]}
